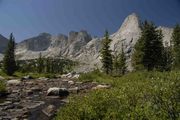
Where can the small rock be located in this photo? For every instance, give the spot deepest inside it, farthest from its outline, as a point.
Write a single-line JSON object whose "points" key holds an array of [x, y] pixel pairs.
{"points": [[65, 101], [29, 92], [36, 104], [28, 77], [36, 89], [9, 107], [13, 82], [74, 90], [15, 91], [50, 110], [43, 78], [69, 75], [71, 82], [76, 76], [5, 103], [79, 83], [7, 118], [101, 87], [61, 92]]}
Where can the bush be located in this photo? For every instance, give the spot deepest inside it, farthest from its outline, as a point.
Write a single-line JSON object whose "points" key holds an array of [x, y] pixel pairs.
{"points": [[2, 87], [151, 96], [95, 76]]}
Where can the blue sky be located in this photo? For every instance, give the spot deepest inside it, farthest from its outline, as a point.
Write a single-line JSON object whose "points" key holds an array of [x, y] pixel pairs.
{"points": [[27, 18]]}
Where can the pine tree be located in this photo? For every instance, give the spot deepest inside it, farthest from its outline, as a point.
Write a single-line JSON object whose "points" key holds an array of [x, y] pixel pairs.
{"points": [[119, 63], [48, 62], [40, 64], [107, 63], [116, 64], [176, 46], [167, 60], [122, 62], [149, 48], [9, 63]]}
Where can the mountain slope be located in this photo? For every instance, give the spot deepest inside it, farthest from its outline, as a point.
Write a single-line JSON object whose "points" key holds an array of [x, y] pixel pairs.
{"points": [[80, 46]]}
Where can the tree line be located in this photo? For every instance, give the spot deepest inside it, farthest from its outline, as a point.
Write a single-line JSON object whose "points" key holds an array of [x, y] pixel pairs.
{"points": [[40, 65], [149, 53]]}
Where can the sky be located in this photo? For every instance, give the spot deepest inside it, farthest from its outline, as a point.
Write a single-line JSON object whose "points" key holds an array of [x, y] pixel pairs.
{"points": [[28, 18]]}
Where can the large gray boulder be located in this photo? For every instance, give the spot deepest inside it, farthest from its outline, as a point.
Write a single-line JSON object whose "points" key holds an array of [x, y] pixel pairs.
{"points": [[61, 92]]}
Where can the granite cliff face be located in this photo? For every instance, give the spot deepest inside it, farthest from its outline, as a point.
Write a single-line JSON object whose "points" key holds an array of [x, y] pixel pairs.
{"points": [[80, 46]]}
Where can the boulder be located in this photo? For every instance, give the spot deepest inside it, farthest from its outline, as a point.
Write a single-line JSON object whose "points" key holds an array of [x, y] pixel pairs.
{"points": [[61, 92], [13, 82]]}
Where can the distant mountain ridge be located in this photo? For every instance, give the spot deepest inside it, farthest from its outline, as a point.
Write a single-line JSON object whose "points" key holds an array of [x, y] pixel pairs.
{"points": [[80, 46]]}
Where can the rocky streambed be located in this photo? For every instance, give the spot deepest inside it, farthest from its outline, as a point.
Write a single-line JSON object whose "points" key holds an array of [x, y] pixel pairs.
{"points": [[38, 99]]}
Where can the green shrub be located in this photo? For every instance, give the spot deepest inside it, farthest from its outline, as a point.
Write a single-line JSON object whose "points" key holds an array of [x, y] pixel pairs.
{"points": [[96, 76], [140, 96], [2, 87]]}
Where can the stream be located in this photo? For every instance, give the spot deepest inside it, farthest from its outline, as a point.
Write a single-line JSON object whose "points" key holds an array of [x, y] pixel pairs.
{"points": [[28, 99]]}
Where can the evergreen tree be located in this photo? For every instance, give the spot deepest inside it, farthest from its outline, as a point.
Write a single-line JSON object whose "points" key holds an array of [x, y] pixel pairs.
{"points": [[167, 59], [106, 55], [149, 48], [176, 46], [9, 63], [48, 65], [122, 62], [116, 64], [40, 64]]}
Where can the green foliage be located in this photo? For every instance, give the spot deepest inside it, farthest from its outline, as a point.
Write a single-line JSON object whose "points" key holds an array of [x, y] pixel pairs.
{"points": [[149, 48], [176, 47], [46, 65], [95, 76], [35, 75], [40, 64], [9, 63], [140, 96], [2, 87], [167, 59], [106, 54]]}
